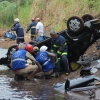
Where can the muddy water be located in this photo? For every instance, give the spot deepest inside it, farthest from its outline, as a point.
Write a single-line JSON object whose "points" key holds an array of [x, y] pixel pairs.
{"points": [[37, 89]]}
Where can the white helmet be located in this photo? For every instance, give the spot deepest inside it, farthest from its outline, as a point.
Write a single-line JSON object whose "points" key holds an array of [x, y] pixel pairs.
{"points": [[43, 48], [16, 19]]}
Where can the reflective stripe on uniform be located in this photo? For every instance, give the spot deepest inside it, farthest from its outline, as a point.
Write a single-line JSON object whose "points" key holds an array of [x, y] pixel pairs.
{"points": [[55, 46], [52, 50], [65, 43], [46, 62], [19, 59], [64, 53], [59, 52], [33, 27]]}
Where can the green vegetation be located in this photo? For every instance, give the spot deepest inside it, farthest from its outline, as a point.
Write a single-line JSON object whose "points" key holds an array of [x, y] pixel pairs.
{"points": [[54, 13], [10, 9]]}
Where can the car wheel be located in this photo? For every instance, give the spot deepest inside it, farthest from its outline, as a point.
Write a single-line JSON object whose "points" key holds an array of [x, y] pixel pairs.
{"points": [[87, 17], [75, 24], [11, 50]]}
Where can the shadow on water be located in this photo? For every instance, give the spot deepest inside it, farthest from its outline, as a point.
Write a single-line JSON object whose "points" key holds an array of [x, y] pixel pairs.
{"points": [[38, 89]]}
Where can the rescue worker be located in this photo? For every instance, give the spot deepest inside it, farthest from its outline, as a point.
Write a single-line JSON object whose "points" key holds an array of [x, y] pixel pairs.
{"points": [[44, 58], [39, 28], [32, 26], [19, 31], [60, 48], [19, 62], [54, 59]]}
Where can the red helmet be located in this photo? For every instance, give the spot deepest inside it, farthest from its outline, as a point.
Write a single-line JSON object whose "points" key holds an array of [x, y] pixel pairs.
{"points": [[29, 48], [33, 19]]}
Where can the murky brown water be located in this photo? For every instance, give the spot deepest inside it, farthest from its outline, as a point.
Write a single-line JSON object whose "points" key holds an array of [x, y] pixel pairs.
{"points": [[38, 89]]}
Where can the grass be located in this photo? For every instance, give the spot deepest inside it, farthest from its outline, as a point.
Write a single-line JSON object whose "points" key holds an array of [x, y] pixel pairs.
{"points": [[52, 12]]}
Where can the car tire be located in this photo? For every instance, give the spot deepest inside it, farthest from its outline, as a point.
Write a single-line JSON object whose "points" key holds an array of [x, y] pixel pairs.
{"points": [[10, 50], [75, 24], [87, 17]]}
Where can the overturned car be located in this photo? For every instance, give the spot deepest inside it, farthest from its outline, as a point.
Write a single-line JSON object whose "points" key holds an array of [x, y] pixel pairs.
{"points": [[80, 34]]}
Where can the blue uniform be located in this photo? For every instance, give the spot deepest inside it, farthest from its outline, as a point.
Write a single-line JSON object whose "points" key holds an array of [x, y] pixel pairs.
{"points": [[32, 26], [19, 31], [44, 59], [18, 59], [59, 47]]}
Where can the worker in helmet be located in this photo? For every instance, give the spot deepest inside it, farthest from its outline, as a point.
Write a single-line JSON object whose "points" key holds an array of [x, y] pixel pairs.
{"points": [[19, 62], [45, 60], [60, 48], [54, 59], [32, 26], [19, 31]]}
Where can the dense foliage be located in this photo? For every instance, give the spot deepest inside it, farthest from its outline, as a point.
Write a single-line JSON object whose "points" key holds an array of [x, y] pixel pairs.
{"points": [[10, 9]]}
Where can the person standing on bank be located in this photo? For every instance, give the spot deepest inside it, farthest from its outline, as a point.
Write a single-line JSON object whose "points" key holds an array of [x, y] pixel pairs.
{"points": [[39, 28], [19, 31], [32, 26], [60, 48]]}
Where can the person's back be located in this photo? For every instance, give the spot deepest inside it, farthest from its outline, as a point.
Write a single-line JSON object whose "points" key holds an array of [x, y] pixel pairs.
{"points": [[19, 31], [32, 26], [18, 59], [44, 59], [40, 28]]}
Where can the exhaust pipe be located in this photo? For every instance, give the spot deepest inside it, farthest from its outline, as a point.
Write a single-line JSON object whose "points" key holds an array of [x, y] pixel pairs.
{"points": [[80, 82]]}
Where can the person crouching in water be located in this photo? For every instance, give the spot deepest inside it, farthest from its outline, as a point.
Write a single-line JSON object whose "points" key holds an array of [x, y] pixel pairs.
{"points": [[19, 62], [45, 60]]}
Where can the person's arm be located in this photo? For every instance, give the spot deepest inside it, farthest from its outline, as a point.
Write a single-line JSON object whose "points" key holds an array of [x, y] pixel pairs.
{"points": [[62, 45], [15, 28], [52, 55], [37, 29], [29, 56], [29, 27]]}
